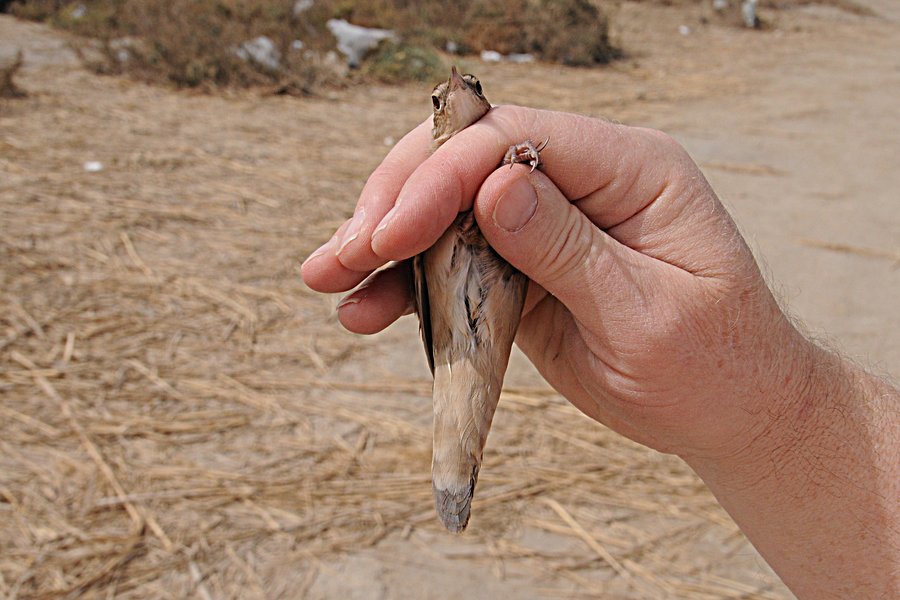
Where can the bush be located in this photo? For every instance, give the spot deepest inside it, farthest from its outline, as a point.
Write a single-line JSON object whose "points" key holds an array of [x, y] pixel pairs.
{"points": [[195, 43], [572, 32], [398, 62], [190, 43]]}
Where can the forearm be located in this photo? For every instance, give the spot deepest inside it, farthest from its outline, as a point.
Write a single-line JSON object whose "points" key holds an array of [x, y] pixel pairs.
{"points": [[817, 489]]}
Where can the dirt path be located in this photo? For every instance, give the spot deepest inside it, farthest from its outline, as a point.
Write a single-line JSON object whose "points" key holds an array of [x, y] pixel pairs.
{"points": [[181, 417]]}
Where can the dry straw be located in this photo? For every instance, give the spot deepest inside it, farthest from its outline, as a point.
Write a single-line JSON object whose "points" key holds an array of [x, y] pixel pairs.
{"points": [[180, 416]]}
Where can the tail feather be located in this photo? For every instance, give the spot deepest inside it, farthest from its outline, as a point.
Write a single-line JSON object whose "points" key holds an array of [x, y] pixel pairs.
{"points": [[464, 404], [453, 507]]}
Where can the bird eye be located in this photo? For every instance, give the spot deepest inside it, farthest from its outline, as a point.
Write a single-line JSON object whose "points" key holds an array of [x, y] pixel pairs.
{"points": [[436, 101]]}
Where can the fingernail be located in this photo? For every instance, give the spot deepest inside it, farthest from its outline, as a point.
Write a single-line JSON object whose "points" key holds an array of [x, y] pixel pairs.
{"points": [[352, 230], [319, 252], [384, 222], [357, 296], [351, 299], [516, 206]]}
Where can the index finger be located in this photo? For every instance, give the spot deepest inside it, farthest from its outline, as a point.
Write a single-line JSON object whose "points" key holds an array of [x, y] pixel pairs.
{"points": [[347, 258], [585, 157]]}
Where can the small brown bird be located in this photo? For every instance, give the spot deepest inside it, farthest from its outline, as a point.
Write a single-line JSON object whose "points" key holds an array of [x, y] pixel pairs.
{"points": [[469, 301]]}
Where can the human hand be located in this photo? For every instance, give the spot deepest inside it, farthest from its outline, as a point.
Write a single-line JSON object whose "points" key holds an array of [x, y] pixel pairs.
{"points": [[646, 309]]}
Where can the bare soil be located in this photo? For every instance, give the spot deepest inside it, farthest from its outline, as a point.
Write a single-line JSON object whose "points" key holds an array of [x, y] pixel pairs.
{"points": [[181, 417]]}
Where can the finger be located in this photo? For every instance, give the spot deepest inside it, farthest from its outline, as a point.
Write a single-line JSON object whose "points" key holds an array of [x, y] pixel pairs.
{"points": [[526, 218], [593, 159], [323, 273], [382, 299], [350, 250]]}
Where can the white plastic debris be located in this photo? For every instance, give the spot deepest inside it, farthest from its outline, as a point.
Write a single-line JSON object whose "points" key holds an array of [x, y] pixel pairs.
{"points": [[515, 57], [301, 6], [518, 57], [354, 41], [261, 50], [93, 166], [748, 11], [123, 48], [684, 30]]}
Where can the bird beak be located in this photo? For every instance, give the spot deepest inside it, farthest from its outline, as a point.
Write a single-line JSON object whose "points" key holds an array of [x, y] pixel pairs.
{"points": [[456, 80]]}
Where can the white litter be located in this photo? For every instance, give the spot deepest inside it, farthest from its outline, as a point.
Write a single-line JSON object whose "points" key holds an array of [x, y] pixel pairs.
{"points": [[518, 57], [261, 50], [93, 166], [354, 41], [301, 6], [515, 57], [748, 11]]}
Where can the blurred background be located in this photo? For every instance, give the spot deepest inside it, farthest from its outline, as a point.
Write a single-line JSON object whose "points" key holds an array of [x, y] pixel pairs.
{"points": [[182, 417]]}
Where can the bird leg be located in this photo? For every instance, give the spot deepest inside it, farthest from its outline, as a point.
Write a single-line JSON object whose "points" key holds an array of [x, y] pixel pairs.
{"points": [[526, 152]]}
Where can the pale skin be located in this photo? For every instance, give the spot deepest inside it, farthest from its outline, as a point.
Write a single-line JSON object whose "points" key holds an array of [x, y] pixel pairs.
{"points": [[647, 311]]}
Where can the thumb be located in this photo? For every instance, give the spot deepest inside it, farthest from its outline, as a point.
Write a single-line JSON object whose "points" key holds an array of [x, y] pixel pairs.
{"points": [[529, 222]]}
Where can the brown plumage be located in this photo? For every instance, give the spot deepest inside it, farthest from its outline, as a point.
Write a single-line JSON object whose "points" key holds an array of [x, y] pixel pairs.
{"points": [[469, 301]]}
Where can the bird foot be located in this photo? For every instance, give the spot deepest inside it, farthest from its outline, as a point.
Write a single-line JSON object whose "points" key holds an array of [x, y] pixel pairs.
{"points": [[526, 153]]}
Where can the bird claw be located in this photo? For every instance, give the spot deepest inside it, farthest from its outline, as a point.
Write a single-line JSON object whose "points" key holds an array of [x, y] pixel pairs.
{"points": [[526, 153]]}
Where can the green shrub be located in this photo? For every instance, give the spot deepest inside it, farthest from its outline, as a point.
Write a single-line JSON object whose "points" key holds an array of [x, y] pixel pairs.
{"points": [[398, 62]]}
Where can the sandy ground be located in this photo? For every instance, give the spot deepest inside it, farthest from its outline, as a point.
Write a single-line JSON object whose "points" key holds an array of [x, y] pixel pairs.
{"points": [[182, 418]]}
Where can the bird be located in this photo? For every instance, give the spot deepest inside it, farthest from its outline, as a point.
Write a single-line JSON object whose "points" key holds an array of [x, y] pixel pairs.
{"points": [[469, 301]]}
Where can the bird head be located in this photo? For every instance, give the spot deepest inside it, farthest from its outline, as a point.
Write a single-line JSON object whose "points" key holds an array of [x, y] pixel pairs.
{"points": [[457, 103]]}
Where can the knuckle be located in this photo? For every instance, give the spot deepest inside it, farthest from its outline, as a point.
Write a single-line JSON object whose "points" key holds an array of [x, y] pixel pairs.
{"points": [[668, 146], [570, 251]]}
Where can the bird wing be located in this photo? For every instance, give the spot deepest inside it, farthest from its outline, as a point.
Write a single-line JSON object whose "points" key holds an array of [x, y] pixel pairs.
{"points": [[423, 307]]}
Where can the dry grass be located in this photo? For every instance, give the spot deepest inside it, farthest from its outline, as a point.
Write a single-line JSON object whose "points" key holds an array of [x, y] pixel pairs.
{"points": [[182, 417], [176, 414]]}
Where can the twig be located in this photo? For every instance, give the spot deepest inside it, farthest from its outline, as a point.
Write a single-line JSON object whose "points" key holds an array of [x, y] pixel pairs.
{"points": [[198, 578], [135, 257], [851, 249], [96, 456], [587, 538], [47, 430], [156, 379], [29, 320]]}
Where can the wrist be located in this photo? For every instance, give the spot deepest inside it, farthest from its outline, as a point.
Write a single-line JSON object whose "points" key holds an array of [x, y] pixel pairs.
{"points": [[815, 487], [782, 415]]}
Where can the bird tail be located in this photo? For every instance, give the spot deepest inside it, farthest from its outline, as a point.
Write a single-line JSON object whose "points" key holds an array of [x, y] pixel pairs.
{"points": [[465, 398]]}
